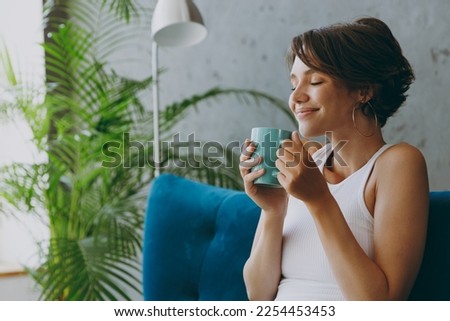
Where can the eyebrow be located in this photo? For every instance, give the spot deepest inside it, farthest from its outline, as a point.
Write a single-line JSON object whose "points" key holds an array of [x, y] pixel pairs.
{"points": [[306, 73]]}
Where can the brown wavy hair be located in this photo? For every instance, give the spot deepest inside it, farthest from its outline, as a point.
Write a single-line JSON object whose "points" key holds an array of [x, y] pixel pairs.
{"points": [[364, 55]]}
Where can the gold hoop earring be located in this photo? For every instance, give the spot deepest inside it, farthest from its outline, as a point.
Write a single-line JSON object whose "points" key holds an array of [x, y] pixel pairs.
{"points": [[374, 114]]}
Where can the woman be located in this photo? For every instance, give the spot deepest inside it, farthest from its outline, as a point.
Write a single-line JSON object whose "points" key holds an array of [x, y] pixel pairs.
{"points": [[349, 223]]}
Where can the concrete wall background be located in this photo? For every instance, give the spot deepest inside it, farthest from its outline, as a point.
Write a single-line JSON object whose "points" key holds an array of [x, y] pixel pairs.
{"points": [[245, 48]]}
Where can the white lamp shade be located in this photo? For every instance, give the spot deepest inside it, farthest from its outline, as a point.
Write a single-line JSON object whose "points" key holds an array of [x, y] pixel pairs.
{"points": [[177, 23]]}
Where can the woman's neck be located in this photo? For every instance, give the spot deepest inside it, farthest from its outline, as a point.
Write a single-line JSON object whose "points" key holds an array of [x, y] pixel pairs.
{"points": [[352, 152]]}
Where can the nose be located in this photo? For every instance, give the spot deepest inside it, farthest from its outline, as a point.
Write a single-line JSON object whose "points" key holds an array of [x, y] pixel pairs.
{"points": [[298, 96]]}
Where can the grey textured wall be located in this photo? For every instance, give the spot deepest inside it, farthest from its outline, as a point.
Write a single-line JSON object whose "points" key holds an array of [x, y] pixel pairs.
{"points": [[245, 48]]}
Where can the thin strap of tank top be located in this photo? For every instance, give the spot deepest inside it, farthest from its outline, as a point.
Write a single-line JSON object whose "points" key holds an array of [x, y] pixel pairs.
{"points": [[375, 156], [322, 155]]}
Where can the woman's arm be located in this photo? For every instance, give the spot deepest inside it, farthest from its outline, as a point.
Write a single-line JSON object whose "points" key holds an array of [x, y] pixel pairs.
{"points": [[262, 271], [400, 224]]}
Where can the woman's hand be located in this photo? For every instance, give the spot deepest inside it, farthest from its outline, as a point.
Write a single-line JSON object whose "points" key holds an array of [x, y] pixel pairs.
{"points": [[268, 199], [299, 174]]}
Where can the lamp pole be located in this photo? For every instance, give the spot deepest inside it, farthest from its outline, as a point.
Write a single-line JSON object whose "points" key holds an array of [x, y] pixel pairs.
{"points": [[156, 140], [174, 23]]}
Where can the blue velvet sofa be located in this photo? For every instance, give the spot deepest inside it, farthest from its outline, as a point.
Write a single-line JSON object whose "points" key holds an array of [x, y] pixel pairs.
{"points": [[197, 238]]}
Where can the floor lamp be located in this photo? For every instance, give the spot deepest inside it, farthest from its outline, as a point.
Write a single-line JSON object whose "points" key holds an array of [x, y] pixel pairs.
{"points": [[175, 23]]}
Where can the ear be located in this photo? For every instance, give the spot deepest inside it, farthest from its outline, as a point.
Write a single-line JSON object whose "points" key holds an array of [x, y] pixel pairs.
{"points": [[365, 94]]}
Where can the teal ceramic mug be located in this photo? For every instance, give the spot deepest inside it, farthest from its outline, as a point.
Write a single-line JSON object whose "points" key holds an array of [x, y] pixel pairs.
{"points": [[267, 141]]}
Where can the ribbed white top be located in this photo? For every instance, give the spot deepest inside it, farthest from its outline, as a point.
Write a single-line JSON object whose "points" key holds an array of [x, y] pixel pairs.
{"points": [[306, 273]]}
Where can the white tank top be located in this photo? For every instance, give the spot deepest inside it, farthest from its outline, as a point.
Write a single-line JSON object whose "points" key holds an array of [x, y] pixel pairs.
{"points": [[306, 273]]}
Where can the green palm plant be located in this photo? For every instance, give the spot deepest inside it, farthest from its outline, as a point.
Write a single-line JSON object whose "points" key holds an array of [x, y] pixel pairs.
{"points": [[95, 212]]}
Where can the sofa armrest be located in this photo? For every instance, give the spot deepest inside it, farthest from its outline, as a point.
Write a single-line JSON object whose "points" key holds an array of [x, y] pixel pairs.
{"points": [[197, 238]]}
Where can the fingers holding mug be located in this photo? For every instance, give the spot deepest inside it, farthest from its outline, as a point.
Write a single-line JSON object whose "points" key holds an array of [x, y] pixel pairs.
{"points": [[246, 161]]}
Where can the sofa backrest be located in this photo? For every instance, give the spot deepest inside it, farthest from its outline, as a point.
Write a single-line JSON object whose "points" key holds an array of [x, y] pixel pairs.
{"points": [[197, 238], [433, 281]]}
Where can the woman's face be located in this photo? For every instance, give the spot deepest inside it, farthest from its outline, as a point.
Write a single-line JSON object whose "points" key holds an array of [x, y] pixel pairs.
{"points": [[320, 103]]}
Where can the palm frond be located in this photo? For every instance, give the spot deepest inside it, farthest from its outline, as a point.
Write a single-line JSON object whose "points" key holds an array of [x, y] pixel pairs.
{"points": [[124, 9], [177, 110], [19, 188], [86, 270], [6, 65]]}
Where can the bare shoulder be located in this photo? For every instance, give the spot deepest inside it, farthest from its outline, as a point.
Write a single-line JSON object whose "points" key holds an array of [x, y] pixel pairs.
{"points": [[403, 149], [402, 156], [402, 168]]}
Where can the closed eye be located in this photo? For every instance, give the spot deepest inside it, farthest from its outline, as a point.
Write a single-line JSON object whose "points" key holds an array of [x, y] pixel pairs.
{"points": [[316, 83]]}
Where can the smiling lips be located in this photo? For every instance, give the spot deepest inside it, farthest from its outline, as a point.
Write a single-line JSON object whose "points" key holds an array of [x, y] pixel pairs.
{"points": [[302, 113]]}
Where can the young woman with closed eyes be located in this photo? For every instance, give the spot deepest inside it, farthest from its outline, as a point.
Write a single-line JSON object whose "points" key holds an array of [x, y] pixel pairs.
{"points": [[349, 223]]}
